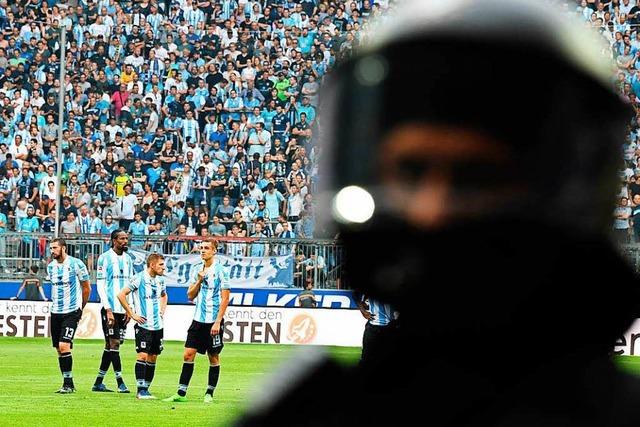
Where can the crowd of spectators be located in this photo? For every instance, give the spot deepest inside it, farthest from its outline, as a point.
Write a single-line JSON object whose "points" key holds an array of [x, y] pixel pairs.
{"points": [[188, 117], [618, 22]]}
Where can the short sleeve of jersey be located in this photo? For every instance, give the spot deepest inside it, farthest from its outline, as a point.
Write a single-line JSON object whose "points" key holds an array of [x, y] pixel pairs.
{"points": [[223, 275], [133, 283], [132, 269], [163, 286], [81, 270], [193, 277]]}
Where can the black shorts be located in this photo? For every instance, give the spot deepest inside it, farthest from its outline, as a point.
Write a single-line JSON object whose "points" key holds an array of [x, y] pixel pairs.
{"points": [[117, 331], [63, 327], [148, 341], [373, 341], [199, 337]]}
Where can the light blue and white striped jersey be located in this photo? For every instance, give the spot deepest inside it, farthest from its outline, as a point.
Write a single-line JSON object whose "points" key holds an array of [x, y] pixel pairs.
{"points": [[65, 278], [113, 274], [383, 313], [210, 295], [146, 292]]}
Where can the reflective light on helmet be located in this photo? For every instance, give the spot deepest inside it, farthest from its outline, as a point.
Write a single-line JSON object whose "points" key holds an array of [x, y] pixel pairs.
{"points": [[371, 70], [353, 204]]}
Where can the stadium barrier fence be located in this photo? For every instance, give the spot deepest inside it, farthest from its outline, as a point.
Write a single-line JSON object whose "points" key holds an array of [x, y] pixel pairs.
{"points": [[319, 259]]}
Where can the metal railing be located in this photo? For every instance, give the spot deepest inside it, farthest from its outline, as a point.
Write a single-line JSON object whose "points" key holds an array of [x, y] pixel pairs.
{"points": [[322, 260], [23, 254]]}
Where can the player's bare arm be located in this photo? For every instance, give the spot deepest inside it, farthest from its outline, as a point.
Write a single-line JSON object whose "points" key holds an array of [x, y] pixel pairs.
{"points": [[122, 297], [164, 298], [215, 329], [86, 292]]}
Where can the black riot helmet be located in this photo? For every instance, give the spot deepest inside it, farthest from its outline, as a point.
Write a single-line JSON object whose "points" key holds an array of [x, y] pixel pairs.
{"points": [[535, 85], [470, 112]]}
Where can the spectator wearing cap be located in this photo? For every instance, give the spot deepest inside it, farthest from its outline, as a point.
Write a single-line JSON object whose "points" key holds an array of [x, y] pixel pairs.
{"points": [[250, 102], [148, 154]]}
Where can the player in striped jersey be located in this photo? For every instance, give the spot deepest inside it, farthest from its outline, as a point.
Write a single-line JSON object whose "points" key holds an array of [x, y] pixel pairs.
{"points": [[209, 290], [150, 300], [70, 292], [379, 316], [115, 269]]}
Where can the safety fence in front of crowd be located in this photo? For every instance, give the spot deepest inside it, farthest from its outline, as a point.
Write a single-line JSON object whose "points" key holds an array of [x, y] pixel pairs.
{"points": [[632, 253], [320, 261]]}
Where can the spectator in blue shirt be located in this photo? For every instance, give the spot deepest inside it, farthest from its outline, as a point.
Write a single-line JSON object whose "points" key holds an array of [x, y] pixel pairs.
{"points": [[138, 228]]}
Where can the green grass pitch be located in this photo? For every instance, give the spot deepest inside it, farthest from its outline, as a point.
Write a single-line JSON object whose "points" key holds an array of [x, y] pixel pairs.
{"points": [[630, 364], [29, 376]]}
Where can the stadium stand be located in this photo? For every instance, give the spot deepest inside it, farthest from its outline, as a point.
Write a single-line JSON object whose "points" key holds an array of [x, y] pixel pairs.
{"points": [[197, 115], [208, 109]]}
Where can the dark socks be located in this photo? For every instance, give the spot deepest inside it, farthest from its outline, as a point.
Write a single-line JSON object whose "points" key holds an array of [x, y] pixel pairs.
{"points": [[185, 377], [117, 365], [104, 365], [141, 367], [149, 372], [66, 364], [214, 374]]}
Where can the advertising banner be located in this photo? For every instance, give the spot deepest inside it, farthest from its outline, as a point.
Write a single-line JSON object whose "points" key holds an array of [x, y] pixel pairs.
{"points": [[263, 297], [258, 325]]}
